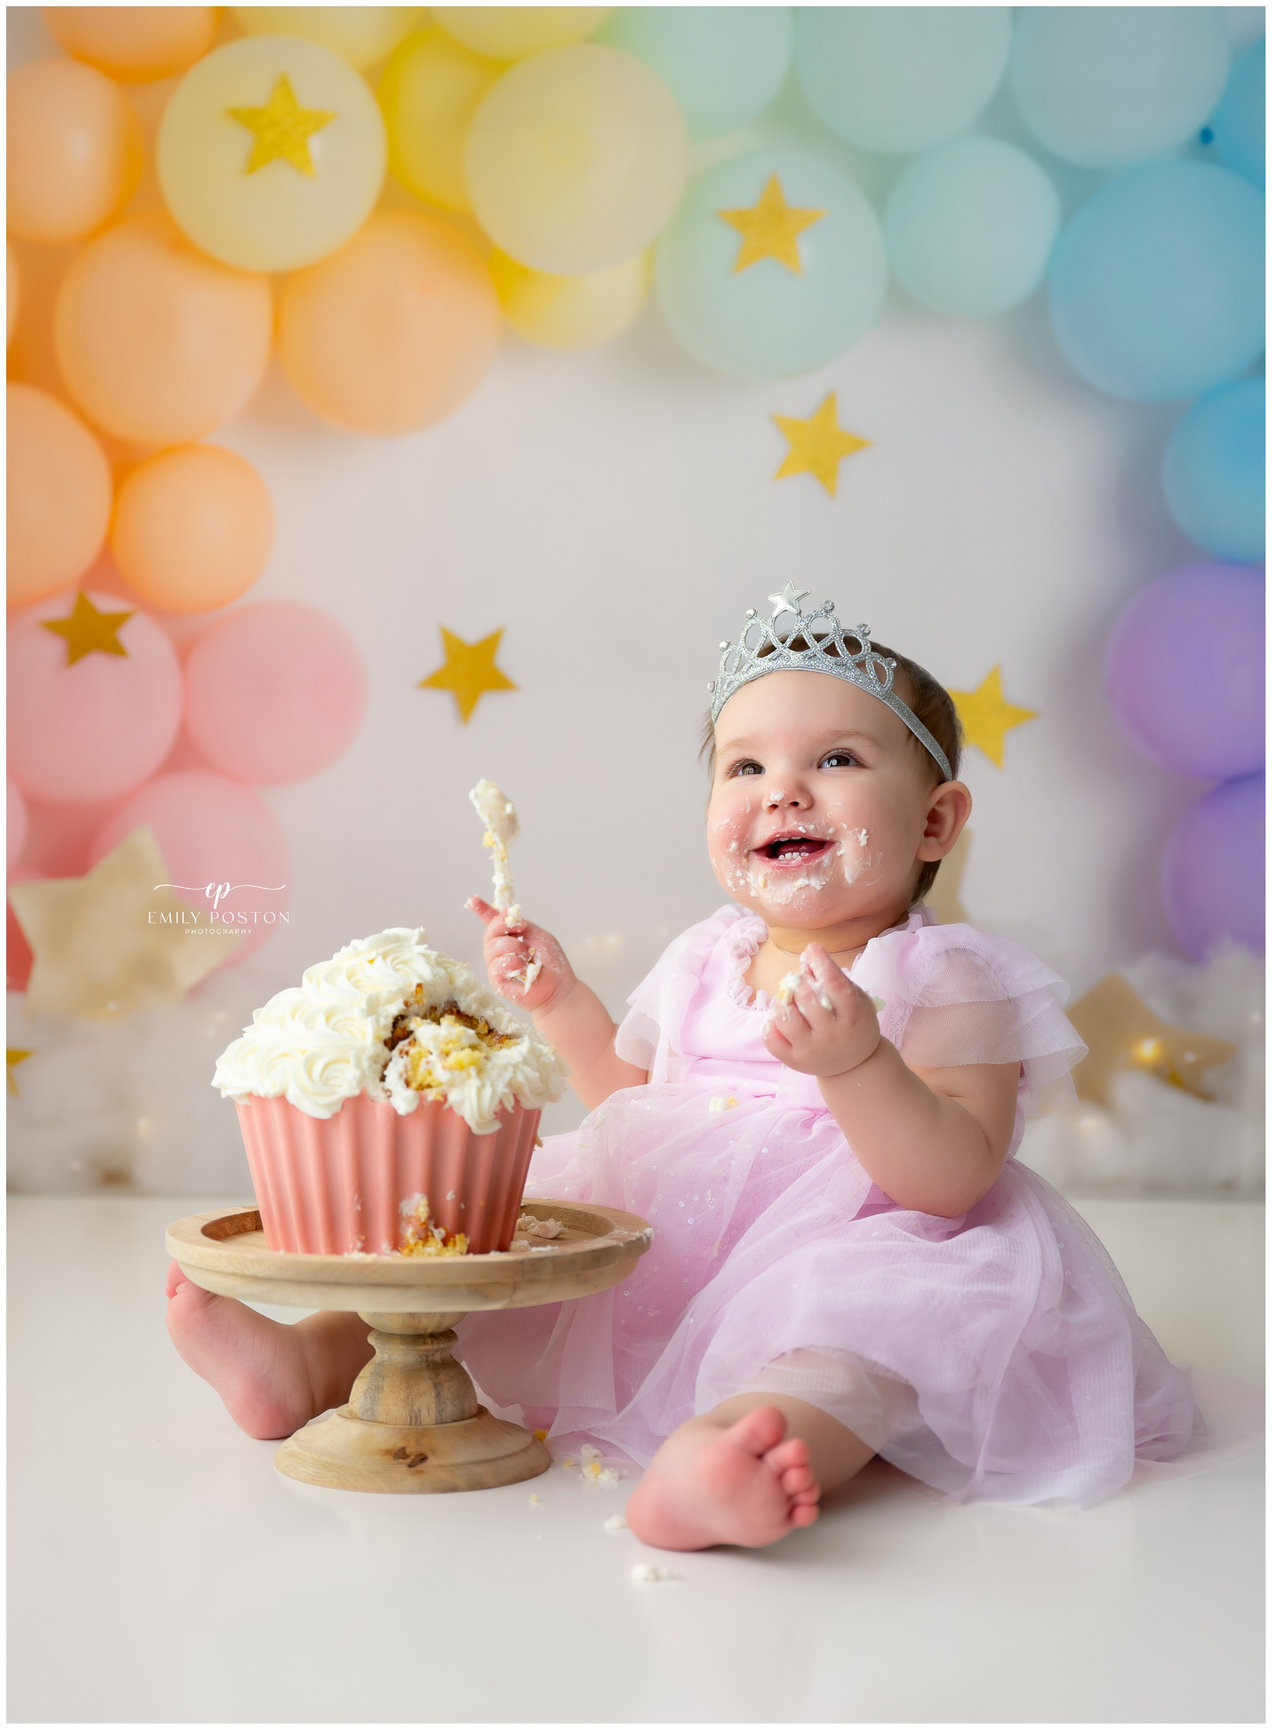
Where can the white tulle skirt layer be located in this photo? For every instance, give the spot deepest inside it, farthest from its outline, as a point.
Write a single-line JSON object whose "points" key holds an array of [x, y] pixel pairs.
{"points": [[996, 1356]]}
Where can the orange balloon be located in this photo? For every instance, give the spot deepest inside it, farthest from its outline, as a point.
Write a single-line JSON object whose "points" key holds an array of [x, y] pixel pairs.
{"points": [[59, 489], [13, 292], [193, 529], [395, 330], [74, 150], [157, 342], [135, 43]]}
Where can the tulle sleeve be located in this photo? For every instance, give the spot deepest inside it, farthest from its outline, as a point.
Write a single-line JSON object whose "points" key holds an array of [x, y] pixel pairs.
{"points": [[657, 1007], [954, 995]]}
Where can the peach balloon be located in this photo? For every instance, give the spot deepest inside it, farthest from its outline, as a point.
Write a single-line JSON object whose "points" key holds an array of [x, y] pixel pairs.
{"points": [[59, 489], [135, 43], [395, 330], [359, 34], [158, 343], [73, 155], [193, 529]]}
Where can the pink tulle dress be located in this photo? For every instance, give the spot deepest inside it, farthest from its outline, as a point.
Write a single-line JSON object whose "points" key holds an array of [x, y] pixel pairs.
{"points": [[996, 1356]]}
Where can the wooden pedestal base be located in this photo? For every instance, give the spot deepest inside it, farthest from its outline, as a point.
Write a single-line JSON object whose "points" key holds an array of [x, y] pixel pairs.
{"points": [[413, 1425]]}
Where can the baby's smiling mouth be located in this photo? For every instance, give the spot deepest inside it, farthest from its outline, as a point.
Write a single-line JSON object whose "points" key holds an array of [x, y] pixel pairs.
{"points": [[793, 849]]}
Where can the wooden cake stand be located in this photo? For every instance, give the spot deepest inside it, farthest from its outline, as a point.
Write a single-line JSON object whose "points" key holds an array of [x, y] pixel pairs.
{"points": [[412, 1423]]}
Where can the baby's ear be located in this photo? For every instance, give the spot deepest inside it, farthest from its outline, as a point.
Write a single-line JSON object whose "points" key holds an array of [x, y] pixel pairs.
{"points": [[950, 807]]}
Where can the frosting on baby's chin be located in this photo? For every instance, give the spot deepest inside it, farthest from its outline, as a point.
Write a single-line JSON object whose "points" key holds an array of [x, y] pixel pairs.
{"points": [[328, 1039]]}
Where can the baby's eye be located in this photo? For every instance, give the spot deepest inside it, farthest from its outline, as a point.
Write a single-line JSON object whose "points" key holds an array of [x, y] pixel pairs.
{"points": [[839, 760], [746, 768]]}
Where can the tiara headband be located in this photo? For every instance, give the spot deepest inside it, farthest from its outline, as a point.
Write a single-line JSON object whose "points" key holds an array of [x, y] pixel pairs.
{"points": [[765, 646]]}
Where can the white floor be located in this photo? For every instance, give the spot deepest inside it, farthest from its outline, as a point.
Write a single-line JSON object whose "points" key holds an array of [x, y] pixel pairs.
{"points": [[162, 1571]]}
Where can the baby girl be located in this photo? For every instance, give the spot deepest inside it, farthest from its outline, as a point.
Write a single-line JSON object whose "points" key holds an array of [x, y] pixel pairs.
{"points": [[815, 1100]]}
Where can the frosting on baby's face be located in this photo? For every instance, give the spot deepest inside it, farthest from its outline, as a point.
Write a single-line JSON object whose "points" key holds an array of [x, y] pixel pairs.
{"points": [[821, 807]]}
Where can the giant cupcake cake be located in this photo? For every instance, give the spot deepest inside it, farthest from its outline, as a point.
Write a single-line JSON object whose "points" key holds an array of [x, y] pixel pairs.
{"points": [[389, 1105]]}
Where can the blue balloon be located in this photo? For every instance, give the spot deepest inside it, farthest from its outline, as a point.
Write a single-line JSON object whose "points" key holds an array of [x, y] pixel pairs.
{"points": [[899, 78], [1156, 285], [723, 64], [1235, 129], [970, 226], [769, 319], [1213, 471], [1106, 85]]}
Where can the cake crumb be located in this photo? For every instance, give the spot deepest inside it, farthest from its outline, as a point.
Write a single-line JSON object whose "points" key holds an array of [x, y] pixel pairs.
{"points": [[723, 1102], [530, 1225], [646, 1573], [615, 1523], [536, 1500], [540, 1435]]}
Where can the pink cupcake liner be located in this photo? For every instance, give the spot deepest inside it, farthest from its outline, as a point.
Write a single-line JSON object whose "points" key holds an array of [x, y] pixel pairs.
{"points": [[338, 1185]]}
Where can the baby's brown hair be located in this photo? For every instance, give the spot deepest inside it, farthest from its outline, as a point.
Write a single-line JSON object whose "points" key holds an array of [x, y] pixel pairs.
{"points": [[929, 702]]}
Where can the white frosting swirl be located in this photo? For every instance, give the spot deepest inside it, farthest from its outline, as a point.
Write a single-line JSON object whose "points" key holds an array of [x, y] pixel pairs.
{"points": [[323, 1041]]}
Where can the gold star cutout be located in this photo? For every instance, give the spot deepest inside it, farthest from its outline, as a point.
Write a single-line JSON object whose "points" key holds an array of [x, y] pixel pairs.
{"points": [[13, 1056], [282, 129], [770, 228], [1123, 1033], [469, 671], [101, 944], [987, 716], [945, 897], [87, 631], [817, 445]]}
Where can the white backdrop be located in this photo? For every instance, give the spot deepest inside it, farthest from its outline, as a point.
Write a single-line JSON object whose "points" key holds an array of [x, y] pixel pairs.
{"points": [[614, 512]]}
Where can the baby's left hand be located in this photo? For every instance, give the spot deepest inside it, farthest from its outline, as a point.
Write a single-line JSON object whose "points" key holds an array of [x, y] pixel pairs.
{"points": [[829, 1026]]}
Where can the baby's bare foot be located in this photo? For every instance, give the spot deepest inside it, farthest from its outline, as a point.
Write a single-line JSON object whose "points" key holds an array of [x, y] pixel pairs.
{"points": [[749, 1484], [259, 1367]]}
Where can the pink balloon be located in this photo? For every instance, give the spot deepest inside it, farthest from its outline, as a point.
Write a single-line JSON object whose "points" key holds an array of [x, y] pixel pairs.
{"points": [[15, 826], [99, 727], [58, 836], [275, 692], [224, 848], [17, 951]]}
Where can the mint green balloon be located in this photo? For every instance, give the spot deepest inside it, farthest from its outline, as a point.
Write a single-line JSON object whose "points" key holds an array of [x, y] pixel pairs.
{"points": [[767, 320], [1106, 85], [900, 78], [969, 226], [723, 64]]}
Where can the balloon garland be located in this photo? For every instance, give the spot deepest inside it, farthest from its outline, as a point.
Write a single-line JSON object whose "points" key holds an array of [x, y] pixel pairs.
{"points": [[548, 154]]}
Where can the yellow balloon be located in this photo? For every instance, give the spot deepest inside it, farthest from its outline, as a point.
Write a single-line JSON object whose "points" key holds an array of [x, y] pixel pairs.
{"points": [[359, 34], [393, 332], [576, 159], [156, 342], [74, 150], [428, 94], [271, 153], [135, 43], [13, 292], [512, 32], [59, 496], [571, 311]]}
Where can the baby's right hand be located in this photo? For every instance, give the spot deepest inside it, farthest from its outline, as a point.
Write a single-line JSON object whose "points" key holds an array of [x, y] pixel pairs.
{"points": [[525, 963]]}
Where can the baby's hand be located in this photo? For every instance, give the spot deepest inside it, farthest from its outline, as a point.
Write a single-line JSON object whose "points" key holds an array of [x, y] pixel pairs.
{"points": [[526, 964], [829, 1026]]}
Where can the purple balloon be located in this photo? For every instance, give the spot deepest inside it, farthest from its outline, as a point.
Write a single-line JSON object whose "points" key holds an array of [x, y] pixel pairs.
{"points": [[1212, 871], [1184, 670]]}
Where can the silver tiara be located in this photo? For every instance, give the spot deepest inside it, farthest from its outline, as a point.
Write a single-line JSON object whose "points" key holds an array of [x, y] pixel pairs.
{"points": [[765, 647]]}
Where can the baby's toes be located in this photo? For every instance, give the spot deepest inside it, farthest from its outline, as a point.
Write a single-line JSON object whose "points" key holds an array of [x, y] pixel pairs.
{"points": [[804, 1513], [798, 1479], [806, 1497], [793, 1451]]}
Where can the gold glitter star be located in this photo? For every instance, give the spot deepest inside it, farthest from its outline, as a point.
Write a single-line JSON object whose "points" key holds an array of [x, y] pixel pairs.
{"points": [[770, 228], [13, 1056], [817, 445], [282, 129], [1122, 1032], [469, 671], [987, 716], [101, 944], [87, 631]]}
